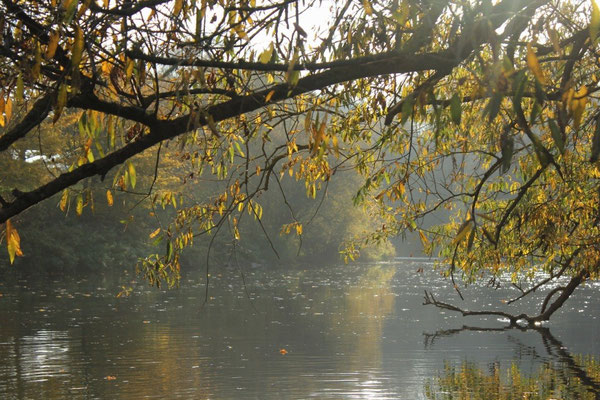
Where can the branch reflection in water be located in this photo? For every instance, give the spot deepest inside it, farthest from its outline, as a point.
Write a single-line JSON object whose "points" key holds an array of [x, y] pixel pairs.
{"points": [[561, 374]]}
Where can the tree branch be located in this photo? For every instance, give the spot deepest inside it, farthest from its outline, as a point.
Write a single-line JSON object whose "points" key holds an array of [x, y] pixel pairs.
{"points": [[33, 118], [544, 315]]}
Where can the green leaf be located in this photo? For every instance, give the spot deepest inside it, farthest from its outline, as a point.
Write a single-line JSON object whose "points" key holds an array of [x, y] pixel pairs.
{"points": [[471, 240], [557, 136], [20, 90], [507, 146], [519, 84], [535, 111], [540, 95], [494, 106], [169, 251], [455, 109], [596, 143], [407, 108], [70, 8], [595, 21], [77, 50]]}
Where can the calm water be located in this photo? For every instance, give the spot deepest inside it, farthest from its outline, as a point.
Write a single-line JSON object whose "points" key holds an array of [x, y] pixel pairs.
{"points": [[357, 332]]}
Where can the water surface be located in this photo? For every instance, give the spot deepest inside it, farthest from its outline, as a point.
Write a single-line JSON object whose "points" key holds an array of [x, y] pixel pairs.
{"points": [[357, 332]]}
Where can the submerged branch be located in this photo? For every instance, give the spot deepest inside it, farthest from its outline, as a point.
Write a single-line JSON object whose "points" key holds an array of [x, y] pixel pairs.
{"points": [[545, 312]]}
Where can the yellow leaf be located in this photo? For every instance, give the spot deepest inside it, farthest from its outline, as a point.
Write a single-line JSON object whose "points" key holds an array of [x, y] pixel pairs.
{"points": [[20, 88], [106, 67], [35, 70], [318, 136], [13, 242], [178, 7], [595, 21], [534, 65], [109, 198], [155, 233], [239, 29], [424, 240], [61, 101], [88, 145], [463, 231], [269, 95], [8, 109], [577, 105], [129, 69], [266, 55], [132, 174], [488, 218], [368, 7], [336, 147], [308, 121], [77, 50], [79, 208], [299, 229], [63, 200]]}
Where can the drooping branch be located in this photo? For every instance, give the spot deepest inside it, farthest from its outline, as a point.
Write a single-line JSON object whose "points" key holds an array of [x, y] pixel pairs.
{"points": [[522, 191], [552, 277], [430, 299], [160, 130], [564, 296], [544, 315]]}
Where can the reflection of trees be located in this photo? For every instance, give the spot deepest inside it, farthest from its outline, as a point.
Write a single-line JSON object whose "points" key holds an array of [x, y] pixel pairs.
{"points": [[564, 374], [367, 304]]}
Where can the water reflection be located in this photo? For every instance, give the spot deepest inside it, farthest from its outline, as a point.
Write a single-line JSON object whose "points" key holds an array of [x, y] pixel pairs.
{"points": [[349, 332], [560, 375]]}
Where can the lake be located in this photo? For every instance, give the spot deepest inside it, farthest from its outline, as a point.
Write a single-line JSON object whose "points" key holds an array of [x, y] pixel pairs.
{"points": [[338, 332]]}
